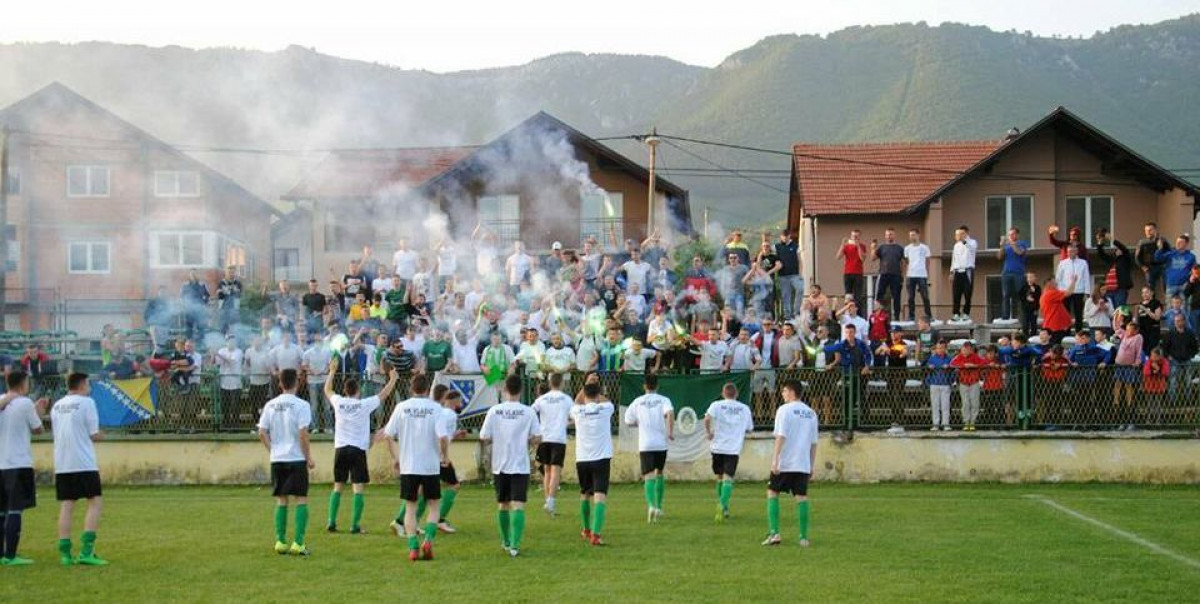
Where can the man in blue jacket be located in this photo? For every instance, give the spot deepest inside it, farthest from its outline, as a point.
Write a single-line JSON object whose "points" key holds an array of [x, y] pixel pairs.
{"points": [[1177, 264]]}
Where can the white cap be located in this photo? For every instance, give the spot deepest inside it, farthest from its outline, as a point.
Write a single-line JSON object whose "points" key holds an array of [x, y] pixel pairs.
{"points": [[556, 245]]}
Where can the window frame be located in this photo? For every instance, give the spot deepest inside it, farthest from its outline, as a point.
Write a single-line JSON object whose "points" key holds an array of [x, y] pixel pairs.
{"points": [[1088, 228], [90, 246], [88, 169], [157, 262], [176, 176], [617, 199], [989, 240]]}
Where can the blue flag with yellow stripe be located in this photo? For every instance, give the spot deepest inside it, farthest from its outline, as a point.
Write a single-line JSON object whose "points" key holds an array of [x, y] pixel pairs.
{"points": [[125, 402]]}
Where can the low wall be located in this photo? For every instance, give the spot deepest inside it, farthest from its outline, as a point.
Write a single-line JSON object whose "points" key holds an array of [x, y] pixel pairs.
{"points": [[871, 457]]}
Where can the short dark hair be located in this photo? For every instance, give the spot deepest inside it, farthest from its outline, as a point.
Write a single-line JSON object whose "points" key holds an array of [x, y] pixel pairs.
{"points": [[288, 378], [75, 380], [439, 391], [591, 390], [453, 395], [729, 390], [419, 384], [15, 379], [651, 381], [556, 380], [350, 387], [512, 385], [1152, 224], [795, 386]]}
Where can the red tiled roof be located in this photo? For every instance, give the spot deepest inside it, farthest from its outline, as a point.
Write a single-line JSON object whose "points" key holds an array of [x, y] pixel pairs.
{"points": [[356, 174], [874, 178]]}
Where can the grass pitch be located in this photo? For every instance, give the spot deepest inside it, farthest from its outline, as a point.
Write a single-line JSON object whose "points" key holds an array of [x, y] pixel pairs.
{"points": [[878, 543]]}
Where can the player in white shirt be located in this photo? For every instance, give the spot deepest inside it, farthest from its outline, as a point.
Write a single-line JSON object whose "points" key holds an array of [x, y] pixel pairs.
{"points": [[726, 423], [553, 410], [593, 459], [351, 441], [283, 429], [654, 416], [20, 418], [451, 401], [75, 423], [511, 428], [793, 461], [417, 439]]}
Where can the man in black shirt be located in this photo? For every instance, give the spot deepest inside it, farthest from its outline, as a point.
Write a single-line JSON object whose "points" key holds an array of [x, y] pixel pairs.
{"points": [[194, 296], [355, 282], [1122, 261], [1180, 346], [313, 303], [229, 297], [1031, 296], [1147, 247], [608, 293], [891, 277], [791, 284]]}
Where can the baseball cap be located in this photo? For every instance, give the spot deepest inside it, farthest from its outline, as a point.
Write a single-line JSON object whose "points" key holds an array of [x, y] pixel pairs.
{"points": [[556, 245]]}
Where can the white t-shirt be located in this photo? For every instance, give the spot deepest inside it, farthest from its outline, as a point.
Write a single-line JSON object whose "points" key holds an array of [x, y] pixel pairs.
{"points": [[731, 421], [17, 422], [586, 355], [447, 261], [405, 262], [509, 426], [450, 421], [636, 361], [559, 359], [1077, 268], [518, 268], [637, 272], [553, 409], [259, 362], [531, 354], [797, 424], [916, 254], [317, 359], [352, 421], [649, 413], [744, 355], [382, 285], [712, 355], [74, 420], [282, 419], [417, 426], [287, 357], [230, 362], [485, 256], [465, 357], [962, 257], [593, 430]]}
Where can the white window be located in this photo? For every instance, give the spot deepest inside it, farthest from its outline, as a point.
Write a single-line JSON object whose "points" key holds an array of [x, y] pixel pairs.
{"points": [[87, 181], [598, 213], [13, 182], [179, 250], [501, 214], [176, 183], [1091, 213], [233, 253], [1004, 212], [88, 258]]}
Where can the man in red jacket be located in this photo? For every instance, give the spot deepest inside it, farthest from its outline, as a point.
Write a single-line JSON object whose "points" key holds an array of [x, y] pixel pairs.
{"points": [[1055, 317]]}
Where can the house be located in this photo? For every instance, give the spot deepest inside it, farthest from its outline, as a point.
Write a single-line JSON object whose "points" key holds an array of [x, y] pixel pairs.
{"points": [[1060, 171], [540, 182], [101, 213]]}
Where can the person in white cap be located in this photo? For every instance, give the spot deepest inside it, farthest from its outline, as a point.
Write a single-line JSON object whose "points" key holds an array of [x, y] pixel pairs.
{"points": [[554, 261]]}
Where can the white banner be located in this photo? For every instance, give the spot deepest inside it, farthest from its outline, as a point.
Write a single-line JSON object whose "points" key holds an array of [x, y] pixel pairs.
{"points": [[477, 395], [690, 443]]}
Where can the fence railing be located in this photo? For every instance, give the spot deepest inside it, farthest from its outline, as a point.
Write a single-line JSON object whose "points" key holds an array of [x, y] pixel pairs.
{"points": [[1038, 398]]}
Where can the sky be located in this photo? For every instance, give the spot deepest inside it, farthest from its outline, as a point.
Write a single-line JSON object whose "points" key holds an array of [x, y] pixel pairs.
{"points": [[454, 35]]}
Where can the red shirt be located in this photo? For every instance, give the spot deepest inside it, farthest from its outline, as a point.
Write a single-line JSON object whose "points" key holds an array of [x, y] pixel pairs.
{"points": [[1156, 377], [1054, 315], [966, 377], [1054, 369], [993, 377], [853, 259], [878, 329]]}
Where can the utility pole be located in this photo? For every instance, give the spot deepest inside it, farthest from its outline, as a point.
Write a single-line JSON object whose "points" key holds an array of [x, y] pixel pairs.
{"points": [[652, 141], [706, 222], [4, 144]]}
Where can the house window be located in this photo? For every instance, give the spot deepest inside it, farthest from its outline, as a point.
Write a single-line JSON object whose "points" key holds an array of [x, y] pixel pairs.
{"points": [[1091, 213], [88, 258], [232, 253], [599, 213], [994, 294], [14, 247], [179, 250], [87, 181], [13, 183], [501, 214], [175, 183], [1005, 212]]}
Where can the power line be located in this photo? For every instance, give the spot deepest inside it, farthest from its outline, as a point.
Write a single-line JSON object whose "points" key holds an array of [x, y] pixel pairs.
{"points": [[730, 170]]}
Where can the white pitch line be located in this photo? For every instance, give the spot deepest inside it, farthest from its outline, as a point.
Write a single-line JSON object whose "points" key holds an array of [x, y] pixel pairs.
{"points": [[1150, 545]]}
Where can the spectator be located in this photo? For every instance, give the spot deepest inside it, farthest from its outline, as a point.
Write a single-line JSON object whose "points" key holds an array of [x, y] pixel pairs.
{"points": [[736, 246], [791, 281], [518, 266], [313, 303], [1119, 278], [229, 299], [1031, 299], [194, 297], [316, 362], [182, 366], [938, 379], [916, 261], [1149, 320], [1180, 346], [370, 267], [1074, 237], [851, 253], [36, 363], [404, 263], [286, 355], [1128, 363], [399, 358], [1054, 311], [121, 367], [637, 356], [158, 315], [354, 282], [1154, 385], [496, 360], [1012, 251], [260, 365], [1097, 312], [1147, 251], [1177, 263], [891, 276], [730, 281], [1191, 292], [849, 315], [967, 364], [230, 363], [962, 273]]}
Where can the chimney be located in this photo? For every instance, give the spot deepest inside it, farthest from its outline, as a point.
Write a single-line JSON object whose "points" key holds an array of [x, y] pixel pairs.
{"points": [[1013, 132]]}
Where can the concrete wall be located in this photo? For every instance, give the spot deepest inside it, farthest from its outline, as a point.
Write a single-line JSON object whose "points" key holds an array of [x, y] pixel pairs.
{"points": [[1008, 457]]}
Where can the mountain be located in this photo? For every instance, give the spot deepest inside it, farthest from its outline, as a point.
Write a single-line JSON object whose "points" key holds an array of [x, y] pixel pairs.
{"points": [[897, 82]]}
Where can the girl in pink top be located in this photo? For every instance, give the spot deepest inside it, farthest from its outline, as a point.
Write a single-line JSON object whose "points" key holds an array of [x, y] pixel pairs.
{"points": [[1128, 370]]}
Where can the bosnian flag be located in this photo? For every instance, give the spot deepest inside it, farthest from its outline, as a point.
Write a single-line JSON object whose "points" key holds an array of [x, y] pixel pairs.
{"points": [[477, 395]]}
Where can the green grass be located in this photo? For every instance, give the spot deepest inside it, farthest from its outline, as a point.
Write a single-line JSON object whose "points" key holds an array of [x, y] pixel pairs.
{"points": [[879, 543]]}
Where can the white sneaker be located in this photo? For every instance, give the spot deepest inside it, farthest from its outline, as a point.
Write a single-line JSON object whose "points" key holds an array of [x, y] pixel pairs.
{"points": [[397, 529], [773, 539], [804, 543], [658, 514], [933, 429], [513, 552], [445, 527], [649, 515], [945, 428]]}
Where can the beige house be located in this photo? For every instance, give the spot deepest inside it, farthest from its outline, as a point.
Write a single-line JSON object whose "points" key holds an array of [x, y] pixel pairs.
{"points": [[1061, 171]]}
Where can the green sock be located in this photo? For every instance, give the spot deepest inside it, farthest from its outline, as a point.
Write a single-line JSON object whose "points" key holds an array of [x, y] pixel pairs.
{"points": [[773, 515], [726, 494], [400, 514], [301, 522], [518, 527], [502, 519], [448, 497], [585, 512], [88, 547], [360, 502], [281, 523], [598, 521], [335, 501], [430, 531], [802, 511], [651, 490], [421, 505], [414, 542], [64, 547], [660, 485], [720, 482]]}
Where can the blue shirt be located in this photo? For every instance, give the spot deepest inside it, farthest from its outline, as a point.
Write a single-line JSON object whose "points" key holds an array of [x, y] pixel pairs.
{"points": [[1025, 356], [940, 373], [1178, 265], [858, 356], [1087, 355], [1014, 264]]}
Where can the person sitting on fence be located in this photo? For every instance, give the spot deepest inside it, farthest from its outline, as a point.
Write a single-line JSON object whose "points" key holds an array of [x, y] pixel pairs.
{"points": [[939, 378], [37, 363], [182, 365], [121, 367], [1128, 371], [1154, 384], [967, 363]]}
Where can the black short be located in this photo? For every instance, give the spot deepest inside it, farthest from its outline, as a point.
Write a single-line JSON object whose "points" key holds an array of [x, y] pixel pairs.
{"points": [[350, 465], [412, 484], [448, 475], [795, 483], [511, 487], [653, 460], [73, 486], [289, 478], [593, 475], [551, 454], [724, 464], [18, 491]]}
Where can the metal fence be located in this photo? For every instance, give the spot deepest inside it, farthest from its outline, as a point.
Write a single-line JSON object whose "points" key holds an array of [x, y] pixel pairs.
{"points": [[1039, 398]]}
